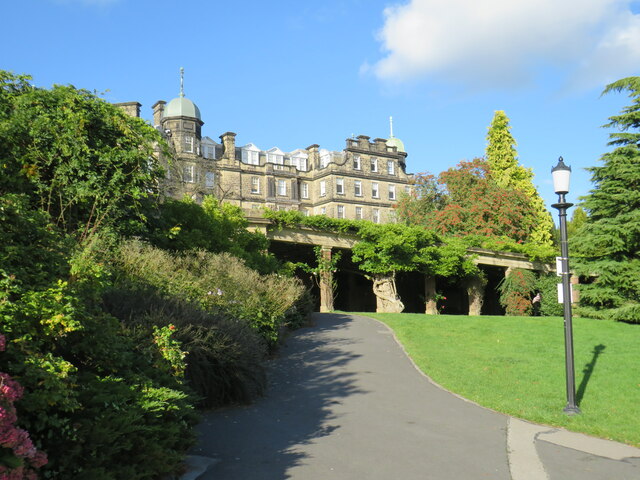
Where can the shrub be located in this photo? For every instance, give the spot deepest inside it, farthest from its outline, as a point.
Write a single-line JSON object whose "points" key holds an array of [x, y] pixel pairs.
{"points": [[546, 285], [516, 290]]}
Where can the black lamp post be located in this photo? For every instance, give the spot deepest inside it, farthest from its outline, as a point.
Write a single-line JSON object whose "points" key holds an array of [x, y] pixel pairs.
{"points": [[561, 174]]}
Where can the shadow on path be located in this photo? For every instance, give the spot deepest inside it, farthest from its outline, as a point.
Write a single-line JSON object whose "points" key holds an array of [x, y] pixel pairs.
{"points": [[305, 381]]}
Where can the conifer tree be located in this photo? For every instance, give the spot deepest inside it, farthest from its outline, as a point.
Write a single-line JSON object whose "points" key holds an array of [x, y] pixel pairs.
{"points": [[505, 170], [608, 244]]}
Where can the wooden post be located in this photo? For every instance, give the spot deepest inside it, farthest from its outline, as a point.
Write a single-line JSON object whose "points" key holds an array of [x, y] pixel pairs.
{"points": [[326, 283], [431, 306]]}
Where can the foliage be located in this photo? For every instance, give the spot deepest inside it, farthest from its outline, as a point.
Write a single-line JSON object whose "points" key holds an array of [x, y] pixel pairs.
{"points": [[578, 220], [507, 173], [547, 287], [19, 458], [608, 243], [217, 227], [293, 218], [516, 290], [426, 197], [92, 397], [218, 283], [83, 161], [478, 206]]}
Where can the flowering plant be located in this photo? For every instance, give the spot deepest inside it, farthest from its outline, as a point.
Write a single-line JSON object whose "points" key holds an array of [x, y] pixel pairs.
{"points": [[19, 458], [170, 349]]}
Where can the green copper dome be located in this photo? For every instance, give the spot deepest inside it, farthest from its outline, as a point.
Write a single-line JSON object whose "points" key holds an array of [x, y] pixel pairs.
{"points": [[182, 107], [393, 141], [396, 142]]}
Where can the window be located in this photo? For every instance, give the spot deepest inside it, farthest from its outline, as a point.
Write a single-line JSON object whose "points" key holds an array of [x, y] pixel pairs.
{"points": [[188, 173], [392, 192], [391, 169], [323, 188], [323, 211], [275, 158], [340, 186], [304, 190], [282, 187], [305, 212], [374, 165], [340, 211], [300, 163], [324, 160], [375, 215], [255, 184], [407, 190], [356, 163], [375, 191], [357, 188], [358, 213], [209, 179], [188, 144], [252, 157]]}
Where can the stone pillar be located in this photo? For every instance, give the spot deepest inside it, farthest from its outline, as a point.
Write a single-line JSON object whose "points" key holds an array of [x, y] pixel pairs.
{"points": [[158, 109], [431, 304], [130, 108], [475, 291], [228, 145], [575, 293], [326, 283]]}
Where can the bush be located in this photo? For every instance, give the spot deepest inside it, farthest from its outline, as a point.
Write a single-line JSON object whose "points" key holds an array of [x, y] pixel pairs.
{"points": [[218, 283], [224, 357], [516, 291], [546, 285]]}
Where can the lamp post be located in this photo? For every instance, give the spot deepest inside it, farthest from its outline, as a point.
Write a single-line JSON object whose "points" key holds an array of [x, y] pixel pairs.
{"points": [[561, 174]]}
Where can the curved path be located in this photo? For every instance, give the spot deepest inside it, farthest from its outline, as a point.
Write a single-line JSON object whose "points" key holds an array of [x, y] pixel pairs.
{"points": [[345, 402]]}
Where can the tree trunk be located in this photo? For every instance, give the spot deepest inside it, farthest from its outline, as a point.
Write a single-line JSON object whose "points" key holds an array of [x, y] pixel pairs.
{"points": [[387, 299], [431, 304]]}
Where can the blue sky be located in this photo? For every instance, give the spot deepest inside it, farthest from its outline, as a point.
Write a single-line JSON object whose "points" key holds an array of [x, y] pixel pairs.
{"points": [[293, 73]]}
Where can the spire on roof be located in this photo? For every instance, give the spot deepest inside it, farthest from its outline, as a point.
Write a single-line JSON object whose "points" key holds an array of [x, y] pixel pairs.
{"points": [[391, 127], [182, 81]]}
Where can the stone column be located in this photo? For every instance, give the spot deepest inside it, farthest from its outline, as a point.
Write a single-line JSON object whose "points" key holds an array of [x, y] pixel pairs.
{"points": [[387, 299], [475, 291], [431, 305], [326, 283]]}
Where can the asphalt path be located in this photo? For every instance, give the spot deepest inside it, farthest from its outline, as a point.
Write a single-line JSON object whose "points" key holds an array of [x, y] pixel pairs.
{"points": [[345, 402]]}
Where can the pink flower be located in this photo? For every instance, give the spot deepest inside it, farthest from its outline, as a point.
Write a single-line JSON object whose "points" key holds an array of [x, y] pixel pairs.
{"points": [[9, 388], [3, 343]]}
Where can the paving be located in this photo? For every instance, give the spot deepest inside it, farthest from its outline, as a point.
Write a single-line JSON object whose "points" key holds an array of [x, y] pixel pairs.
{"points": [[345, 402]]}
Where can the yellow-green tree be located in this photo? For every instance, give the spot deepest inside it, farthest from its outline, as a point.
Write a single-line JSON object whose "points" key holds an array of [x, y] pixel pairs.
{"points": [[502, 158]]}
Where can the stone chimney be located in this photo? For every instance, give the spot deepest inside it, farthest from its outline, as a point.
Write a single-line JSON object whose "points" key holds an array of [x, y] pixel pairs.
{"points": [[314, 156], [380, 144], [228, 145], [158, 108], [363, 142], [130, 108]]}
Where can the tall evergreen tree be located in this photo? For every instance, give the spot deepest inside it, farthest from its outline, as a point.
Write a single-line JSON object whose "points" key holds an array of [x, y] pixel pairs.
{"points": [[608, 245], [502, 158]]}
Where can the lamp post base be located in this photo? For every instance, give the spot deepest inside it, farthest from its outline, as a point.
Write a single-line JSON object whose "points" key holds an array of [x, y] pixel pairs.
{"points": [[571, 410]]}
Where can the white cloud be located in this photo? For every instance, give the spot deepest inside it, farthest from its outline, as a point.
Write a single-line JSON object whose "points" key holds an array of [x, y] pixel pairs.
{"points": [[500, 43]]}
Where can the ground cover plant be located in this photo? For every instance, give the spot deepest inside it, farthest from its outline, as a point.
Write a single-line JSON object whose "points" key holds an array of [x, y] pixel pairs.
{"points": [[515, 365]]}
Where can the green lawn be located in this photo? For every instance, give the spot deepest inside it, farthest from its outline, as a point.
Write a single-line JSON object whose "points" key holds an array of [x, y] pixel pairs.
{"points": [[516, 365]]}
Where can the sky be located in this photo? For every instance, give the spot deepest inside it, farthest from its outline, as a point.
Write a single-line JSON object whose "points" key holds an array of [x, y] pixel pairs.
{"points": [[292, 73]]}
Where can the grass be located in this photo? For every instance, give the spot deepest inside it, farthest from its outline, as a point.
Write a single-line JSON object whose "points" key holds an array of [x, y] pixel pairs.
{"points": [[516, 365]]}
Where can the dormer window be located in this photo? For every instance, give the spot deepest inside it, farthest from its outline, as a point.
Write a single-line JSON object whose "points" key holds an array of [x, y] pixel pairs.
{"points": [[251, 155], [324, 160]]}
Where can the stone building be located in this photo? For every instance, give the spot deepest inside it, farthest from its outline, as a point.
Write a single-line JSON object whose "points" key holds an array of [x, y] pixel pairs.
{"points": [[363, 181]]}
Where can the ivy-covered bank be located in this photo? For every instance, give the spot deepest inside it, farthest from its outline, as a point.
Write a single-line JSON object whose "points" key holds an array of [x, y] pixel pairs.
{"points": [[121, 313]]}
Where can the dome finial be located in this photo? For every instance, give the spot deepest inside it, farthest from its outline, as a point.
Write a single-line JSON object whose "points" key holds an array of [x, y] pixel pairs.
{"points": [[391, 127], [182, 81]]}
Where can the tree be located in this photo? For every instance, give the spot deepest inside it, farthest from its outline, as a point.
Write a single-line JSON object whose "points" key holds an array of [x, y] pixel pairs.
{"points": [[83, 161], [476, 205], [502, 158], [609, 242]]}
